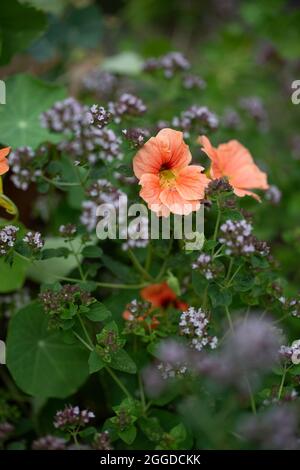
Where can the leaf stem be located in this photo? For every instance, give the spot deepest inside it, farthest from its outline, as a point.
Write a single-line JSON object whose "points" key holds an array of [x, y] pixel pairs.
{"points": [[118, 382], [59, 184], [22, 256], [138, 266], [251, 396], [282, 382], [234, 274], [83, 341], [77, 260], [163, 268], [149, 257], [85, 330], [229, 318], [106, 284], [216, 226], [142, 393]]}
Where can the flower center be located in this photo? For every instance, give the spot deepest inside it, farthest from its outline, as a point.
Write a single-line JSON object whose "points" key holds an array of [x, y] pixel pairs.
{"points": [[167, 178]]}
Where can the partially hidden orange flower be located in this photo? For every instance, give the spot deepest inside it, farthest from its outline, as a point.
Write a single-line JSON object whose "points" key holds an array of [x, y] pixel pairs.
{"points": [[162, 296], [169, 183], [127, 315], [3, 160], [234, 161]]}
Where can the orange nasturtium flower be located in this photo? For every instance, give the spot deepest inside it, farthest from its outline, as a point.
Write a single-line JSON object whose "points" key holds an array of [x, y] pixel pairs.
{"points": [[169, 183], [234, 161], [162, 296], [3, 160]]}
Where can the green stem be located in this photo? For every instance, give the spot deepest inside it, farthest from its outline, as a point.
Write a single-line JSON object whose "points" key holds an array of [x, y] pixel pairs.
{"points": [[83, 180], [165, 263], [83, 341], [59, 184], [118, 382], [148, 405], [22, 256], [142, 393], [286, 315], [149, 257], [89, 340], [251, 396], [106, 284], [216, 255], [74, 435], [77, 260], [123, 286], [138, 266], [282, 382], [229, 270], [229, 318], [216, 230], [234, 274], [78, 175]]}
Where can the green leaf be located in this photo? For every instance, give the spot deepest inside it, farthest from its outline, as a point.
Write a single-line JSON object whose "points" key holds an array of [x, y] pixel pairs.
{"points": [[48, 270], [173, 283], [98, 312], [120, 270], [199, 282], [75, 196], [209, 245], [92, 252], [179, 433], [49, 6], [27, 98], [41, 363], [12, 276], [167, 396], [88, 432], [219, 297], [89, 286], [19, 25], [243, 282], [131, 406], [151, 428], [61, 252], [231, 214], [120, 360], [128, 435], [259, 262], [128, 63], [17, 445], [95, 362], [295, 370]]}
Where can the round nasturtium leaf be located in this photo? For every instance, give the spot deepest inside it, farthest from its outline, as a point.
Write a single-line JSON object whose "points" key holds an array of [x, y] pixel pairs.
{"points": [[41, 363], [12, 276], [26, 98]]}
